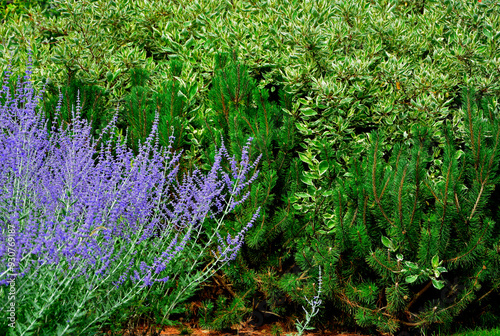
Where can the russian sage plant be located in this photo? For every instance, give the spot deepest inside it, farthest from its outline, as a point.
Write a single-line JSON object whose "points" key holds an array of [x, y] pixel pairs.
{"points": [[80, 235]]}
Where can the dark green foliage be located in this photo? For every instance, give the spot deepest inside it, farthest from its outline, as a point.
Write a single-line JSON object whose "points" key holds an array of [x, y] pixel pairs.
{"points": [[206, 314], [384, 207], [228, 313], [170, 103], [240, 110], [91, 104]]}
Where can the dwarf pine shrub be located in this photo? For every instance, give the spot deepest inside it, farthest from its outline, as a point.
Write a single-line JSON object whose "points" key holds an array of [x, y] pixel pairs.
{"points": [[397, 236]]}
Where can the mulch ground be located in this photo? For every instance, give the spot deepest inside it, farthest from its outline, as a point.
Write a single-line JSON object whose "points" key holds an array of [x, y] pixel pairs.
{"points": [[246, 330]]}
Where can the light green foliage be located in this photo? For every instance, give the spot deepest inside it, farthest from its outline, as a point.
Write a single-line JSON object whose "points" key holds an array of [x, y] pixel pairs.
{"points": [[399, 66], [16, 8]]}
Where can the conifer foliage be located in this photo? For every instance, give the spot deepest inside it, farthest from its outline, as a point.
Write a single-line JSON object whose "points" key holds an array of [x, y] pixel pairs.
{"points": [[240, 109], [170, 102], [399, 234]]}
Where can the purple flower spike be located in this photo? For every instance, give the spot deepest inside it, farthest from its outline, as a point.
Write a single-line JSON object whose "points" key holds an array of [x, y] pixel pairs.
{"points": [[68, 220]]}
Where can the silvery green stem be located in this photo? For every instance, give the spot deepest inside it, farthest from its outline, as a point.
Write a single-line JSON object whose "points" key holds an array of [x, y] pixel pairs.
{"points": [[126, 299], [219, 222], [55, 294], [133, 290], [203, 276], [77, 312], [39, 267], [88, 293], [314, 304]]}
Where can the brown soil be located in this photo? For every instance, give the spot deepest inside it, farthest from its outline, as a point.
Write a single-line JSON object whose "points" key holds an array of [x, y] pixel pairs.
{"points": [[244, 330]]}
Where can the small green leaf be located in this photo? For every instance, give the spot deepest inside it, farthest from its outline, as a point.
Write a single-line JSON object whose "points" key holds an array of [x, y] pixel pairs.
{"points": [[330, 224], [312, 191], [411, 265], [323, 167], [487, 33], [411, 278], [307, 180], [302, 129], [303, 157], [387, 242], [193, 90], [442, 269], [109, 76], [311, 174], [435, 261], [302, 195], [458, 154], [308, 112], [449, 9], [303, 101], [328, 193], [189, 42], [326, 232], [438, 284]]}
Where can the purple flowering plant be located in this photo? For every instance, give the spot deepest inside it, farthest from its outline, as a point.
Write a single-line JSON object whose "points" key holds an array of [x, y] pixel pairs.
{"points": [[82, 237]]}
